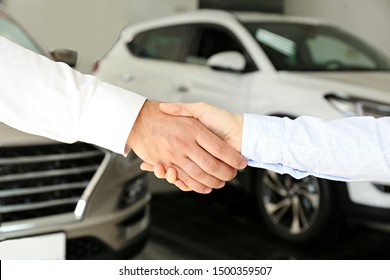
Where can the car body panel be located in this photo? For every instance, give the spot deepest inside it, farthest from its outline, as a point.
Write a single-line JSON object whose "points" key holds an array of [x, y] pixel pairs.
{"points": [[14, 137]]}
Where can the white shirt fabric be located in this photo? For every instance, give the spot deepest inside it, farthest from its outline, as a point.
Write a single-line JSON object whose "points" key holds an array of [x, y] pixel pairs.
{"points": [[50, 99], [355, 148]]}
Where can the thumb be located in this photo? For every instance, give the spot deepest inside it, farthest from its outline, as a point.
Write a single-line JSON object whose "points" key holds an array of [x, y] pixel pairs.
{"points": [[179, 109], [201, 111]]}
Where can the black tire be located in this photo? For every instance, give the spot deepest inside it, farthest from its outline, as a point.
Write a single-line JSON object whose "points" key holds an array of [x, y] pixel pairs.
{"points": [[296, 210]]}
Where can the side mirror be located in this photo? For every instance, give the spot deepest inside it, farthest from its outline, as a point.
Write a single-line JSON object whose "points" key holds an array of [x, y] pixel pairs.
{"points": [[67, 56], [227, 61]]}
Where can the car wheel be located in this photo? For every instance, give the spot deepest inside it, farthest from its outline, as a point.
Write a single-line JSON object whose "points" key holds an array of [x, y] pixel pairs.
{"points": [[295, 210]]}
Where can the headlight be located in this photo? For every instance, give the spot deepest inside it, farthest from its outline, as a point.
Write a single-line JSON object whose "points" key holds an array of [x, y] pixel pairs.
{"points": [[382, 188], [353, 106], [133, 191]]}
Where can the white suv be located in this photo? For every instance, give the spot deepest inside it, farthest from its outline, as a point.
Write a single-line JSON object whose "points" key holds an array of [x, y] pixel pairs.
{"points": [[265, 64]]}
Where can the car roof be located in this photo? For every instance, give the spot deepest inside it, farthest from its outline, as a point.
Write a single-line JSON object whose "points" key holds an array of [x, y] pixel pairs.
{"points": [[257, 16], [207, 15]]}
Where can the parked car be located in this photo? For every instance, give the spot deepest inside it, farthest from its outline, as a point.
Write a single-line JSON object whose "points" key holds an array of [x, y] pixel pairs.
{"points": [[66, 201], [265, 64]]}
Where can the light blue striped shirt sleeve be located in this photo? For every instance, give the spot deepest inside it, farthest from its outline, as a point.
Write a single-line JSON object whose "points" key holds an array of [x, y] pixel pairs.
{"points": [[345, 149]]}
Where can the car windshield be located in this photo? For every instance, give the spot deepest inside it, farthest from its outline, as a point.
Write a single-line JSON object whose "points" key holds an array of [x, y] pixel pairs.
{"points": [[14, 33], [304, 47]]}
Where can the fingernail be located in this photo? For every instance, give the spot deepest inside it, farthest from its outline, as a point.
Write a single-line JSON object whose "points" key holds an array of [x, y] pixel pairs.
{"points": [[207, 190]]}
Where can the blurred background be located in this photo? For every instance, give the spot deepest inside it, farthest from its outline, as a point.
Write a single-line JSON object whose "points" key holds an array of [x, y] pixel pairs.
{"points": [[91, 27]]}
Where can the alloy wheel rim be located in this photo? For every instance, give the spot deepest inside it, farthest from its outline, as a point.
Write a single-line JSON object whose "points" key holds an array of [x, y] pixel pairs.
{"points": [[292, 205]]}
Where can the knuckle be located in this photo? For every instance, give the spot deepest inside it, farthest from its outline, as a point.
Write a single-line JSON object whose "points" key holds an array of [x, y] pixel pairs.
{"points": [[194, 171], [198, 174], [191, 184], [212, 166], [181, 142], [200, 104], [219, 148], [220, 169], [185, 179]]}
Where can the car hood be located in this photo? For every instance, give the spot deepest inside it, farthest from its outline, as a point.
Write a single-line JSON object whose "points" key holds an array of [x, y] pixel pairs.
{"points": [[12, 137], [365, 84]]}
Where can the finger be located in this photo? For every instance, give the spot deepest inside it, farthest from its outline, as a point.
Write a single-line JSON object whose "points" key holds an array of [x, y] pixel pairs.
{"points": [[222, 151], [201, 111], [171, 175], [204, 168], [146, 167], [208, 170], [178, 109], [182, 186], [159, 171], [192, 183]]}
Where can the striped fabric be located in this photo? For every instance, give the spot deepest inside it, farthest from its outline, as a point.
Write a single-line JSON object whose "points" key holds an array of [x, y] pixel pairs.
{"points": [[345, 149]]}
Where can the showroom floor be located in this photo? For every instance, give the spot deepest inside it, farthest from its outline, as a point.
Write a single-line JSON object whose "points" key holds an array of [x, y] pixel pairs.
{"points": [[225, 225]]}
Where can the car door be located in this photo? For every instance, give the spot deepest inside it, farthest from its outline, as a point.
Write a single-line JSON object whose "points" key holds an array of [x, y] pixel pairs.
{"points": [[156, 61], [199, 82]]}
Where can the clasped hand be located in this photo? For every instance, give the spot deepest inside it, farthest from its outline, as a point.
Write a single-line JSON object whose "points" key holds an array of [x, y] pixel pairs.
{"points": [[194, 146]]}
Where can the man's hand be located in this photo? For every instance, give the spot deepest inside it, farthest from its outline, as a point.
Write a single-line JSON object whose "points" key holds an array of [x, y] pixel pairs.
{"points": [[226, 125], [201, 160]]}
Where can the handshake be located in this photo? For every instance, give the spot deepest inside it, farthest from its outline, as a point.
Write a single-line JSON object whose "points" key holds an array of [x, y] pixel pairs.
{"points": [[194, 146]]}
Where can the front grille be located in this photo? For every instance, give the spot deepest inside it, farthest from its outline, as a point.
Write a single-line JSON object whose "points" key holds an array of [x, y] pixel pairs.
{"points": [[91, 248], [86, 248], [38, 181]]}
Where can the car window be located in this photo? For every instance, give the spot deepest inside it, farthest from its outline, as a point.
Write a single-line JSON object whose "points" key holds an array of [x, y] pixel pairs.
{"points": [[164, 43], [326, 49], [306, 47], [209, 41], [11, 31]]}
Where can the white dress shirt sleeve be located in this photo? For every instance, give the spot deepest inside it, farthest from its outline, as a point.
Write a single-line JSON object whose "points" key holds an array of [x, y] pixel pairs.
{"points": [[50, 99], [345, 149]]}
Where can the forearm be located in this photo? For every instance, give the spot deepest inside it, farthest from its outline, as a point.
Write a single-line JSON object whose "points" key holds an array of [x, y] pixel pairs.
{"points": [[50, 99], [343, 149]]}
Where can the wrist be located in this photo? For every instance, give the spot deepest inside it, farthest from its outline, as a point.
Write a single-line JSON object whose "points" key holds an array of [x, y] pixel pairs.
{"points": [[239, 120], [133, 136]]}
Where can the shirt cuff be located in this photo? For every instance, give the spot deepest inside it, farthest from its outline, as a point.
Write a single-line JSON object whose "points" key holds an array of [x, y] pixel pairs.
{"points": [[109, 117], [262, 139]]}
